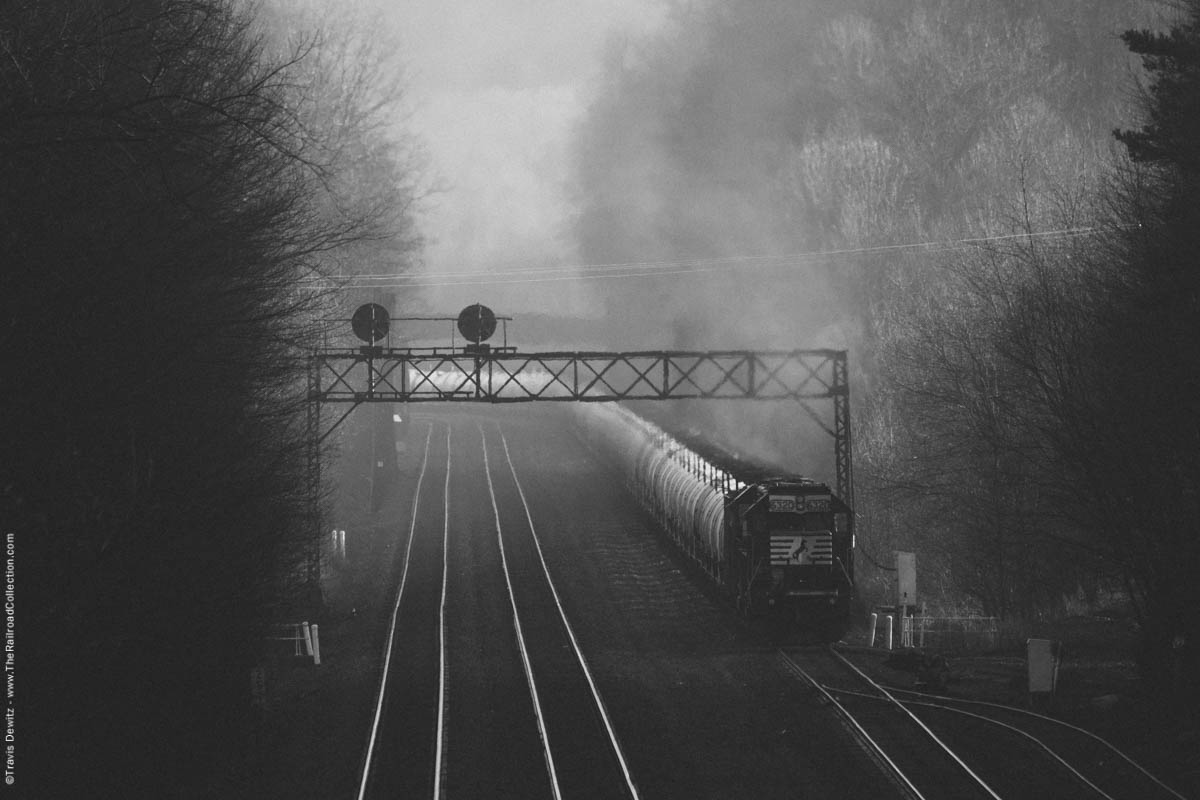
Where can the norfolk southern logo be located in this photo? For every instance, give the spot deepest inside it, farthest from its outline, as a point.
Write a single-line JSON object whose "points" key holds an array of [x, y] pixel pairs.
{"points": [[799, 554], [801, 550]]}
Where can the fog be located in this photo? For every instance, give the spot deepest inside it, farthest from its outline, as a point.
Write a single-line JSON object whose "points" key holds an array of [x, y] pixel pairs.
{"points": [[498, 89], [933, 185], [548, 160], [740, 174], [564, 141]]}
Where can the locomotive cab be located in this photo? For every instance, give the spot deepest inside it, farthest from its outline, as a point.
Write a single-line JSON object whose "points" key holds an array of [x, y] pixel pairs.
{"points": [[791, 552]]}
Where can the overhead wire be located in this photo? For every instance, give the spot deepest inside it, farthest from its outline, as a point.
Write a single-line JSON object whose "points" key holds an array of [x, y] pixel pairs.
{"points": [[641, 269]]}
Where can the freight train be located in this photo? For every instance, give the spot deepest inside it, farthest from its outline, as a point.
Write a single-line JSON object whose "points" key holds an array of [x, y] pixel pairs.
{"points": [[780, 547]]}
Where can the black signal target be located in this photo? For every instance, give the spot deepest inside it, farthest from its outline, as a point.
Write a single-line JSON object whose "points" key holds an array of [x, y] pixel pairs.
{"points": [[476, 323], [370, 322]]}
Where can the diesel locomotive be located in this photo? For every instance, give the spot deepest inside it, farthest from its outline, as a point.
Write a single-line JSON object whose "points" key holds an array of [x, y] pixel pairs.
{"points": [[780, 547]]}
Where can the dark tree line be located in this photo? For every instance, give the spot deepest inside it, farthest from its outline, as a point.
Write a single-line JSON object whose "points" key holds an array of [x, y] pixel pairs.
{"points": [[1049, 390], [1151, 413], [164, 199]]}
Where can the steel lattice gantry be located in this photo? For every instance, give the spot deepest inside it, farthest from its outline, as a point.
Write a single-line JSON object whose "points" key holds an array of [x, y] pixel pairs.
{"points": [[396, 375], [350, 377], [480, 373]]}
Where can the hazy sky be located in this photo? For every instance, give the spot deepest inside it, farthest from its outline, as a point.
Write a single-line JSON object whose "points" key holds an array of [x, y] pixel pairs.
{"points": [[497, 86]]}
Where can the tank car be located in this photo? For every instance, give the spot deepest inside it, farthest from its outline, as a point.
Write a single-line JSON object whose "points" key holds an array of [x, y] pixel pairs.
{"points": [[779, 546]]}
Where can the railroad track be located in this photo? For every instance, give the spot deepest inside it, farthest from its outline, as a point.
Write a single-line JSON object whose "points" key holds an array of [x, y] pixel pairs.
{"points": [[919, 763], [937, 747], [1097, 763], [485, 690]]}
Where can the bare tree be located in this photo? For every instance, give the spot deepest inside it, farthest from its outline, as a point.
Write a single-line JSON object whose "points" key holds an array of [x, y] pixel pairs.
{"points": [[162, 202]]}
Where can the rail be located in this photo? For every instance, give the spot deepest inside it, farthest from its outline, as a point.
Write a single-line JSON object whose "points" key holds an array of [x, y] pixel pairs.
{"points": [[865, 739], [970, 783], [1111, 753]]}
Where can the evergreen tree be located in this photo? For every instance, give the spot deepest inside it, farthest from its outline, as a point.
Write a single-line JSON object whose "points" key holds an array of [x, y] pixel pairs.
{"points": [[1151, 348]]}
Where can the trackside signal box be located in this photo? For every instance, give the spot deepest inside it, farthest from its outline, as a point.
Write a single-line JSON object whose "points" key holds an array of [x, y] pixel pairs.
{"points": [[1043, 656]]}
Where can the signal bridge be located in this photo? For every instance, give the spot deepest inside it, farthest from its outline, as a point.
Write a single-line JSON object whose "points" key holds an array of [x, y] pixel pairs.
{"points": [[406, 375], [478, 372]]}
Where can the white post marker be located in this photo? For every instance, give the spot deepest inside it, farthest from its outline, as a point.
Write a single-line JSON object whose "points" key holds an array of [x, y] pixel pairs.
{"points": [[890, 620], [308, 650], [906, 578], [874, 619], [316, 646]]}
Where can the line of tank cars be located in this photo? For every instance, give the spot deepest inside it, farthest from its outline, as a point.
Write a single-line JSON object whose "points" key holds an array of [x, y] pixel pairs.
{"points": [[779, 546]]}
